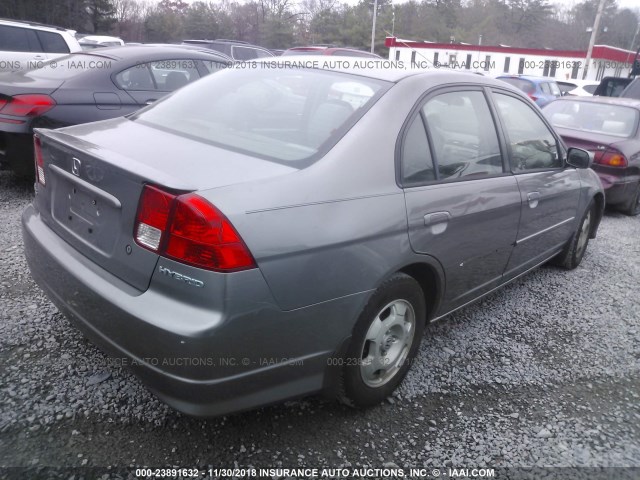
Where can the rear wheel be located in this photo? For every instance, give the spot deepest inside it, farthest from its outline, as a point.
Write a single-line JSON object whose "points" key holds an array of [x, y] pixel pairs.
{"points": [[633, 208], [385, 341], [572, 254]]}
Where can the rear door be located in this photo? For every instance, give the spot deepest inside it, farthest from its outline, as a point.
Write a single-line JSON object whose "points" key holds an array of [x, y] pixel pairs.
{"points": [[549, 191], [463, 206], [19, 49]]}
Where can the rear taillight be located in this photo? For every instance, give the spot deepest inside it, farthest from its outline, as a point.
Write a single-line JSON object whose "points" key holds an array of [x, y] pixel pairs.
{"points": [[189, 229], [38, 159], [28, 105], [611, 158], [533, 97]]}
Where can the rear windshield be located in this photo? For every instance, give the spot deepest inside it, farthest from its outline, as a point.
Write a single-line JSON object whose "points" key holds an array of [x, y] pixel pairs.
{"points": [[606, 119], [286, 115], [525, 85]]}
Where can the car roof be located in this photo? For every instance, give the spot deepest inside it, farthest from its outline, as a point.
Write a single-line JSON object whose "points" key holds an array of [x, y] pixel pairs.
{"points": [[151, 52], [378, 69], [531, 78], [626, 102], [40, 26]]}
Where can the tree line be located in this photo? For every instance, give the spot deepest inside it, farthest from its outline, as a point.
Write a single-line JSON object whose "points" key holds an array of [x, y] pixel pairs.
{"points": [[280, 24]]}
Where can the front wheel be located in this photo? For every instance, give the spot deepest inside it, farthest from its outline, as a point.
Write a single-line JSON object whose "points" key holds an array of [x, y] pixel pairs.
{"points": [[572, 254], [385, 341]]}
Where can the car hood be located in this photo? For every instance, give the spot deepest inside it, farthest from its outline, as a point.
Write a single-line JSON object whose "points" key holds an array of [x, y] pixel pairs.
{"points": [[165, 158]]}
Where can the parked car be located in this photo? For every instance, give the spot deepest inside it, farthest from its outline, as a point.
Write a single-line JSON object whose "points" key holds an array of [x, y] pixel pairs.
{"points": [[25, 45], [541, 90], [234, 49], [329, 50], [611, 86], [577, 88], [89, 42], [255, 237], [608, 127], [632, 90], [89, 86]]}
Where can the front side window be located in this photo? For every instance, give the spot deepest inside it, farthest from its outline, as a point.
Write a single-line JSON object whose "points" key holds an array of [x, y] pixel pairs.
{"points": [[463, 135], [285, 115], [532, 145]]}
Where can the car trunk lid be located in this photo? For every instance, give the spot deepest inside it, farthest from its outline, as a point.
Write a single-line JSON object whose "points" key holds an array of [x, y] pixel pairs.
{"points": [[95, 174]]}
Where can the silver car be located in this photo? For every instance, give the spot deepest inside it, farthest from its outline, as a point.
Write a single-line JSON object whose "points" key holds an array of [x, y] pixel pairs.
{"points": [[266, 233]]}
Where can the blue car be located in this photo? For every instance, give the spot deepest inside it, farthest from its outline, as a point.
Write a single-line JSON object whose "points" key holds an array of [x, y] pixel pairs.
{"points": [[541, 90]]}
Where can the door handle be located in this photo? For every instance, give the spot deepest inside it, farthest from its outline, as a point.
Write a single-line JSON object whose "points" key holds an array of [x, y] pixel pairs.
{"points": [[533, 198], [438, 221]]}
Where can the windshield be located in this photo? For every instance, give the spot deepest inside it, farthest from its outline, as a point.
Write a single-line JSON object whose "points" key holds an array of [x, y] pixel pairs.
{"points": [[287, 115], [614, 120]]}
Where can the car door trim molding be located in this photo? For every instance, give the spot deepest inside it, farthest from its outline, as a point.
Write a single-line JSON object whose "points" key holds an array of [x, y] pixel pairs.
{"points": [[548, 229]]}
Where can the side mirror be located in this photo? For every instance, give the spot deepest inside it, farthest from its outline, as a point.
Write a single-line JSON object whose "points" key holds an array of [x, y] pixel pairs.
{"points": [[579, 158]]}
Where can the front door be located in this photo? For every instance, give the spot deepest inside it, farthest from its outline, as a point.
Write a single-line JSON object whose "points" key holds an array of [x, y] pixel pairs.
{"points": [[549, 191]]}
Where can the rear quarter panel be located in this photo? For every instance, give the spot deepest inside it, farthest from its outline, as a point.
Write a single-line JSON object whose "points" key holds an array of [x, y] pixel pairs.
{"points": [[338, 227]]}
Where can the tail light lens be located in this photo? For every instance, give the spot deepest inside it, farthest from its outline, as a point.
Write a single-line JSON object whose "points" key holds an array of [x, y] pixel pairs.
{"points": [[28, 105], [39, 160], [189, 229], [533, 97], [611, 158]]}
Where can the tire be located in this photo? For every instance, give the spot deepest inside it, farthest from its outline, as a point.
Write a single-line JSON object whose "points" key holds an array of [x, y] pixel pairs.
{"points": [[384, 343], [633, 208], [573, 252]]}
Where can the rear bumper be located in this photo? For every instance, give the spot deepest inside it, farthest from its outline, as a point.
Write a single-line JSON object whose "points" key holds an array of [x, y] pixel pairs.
{"points": [[617, 190], [202, 361]]}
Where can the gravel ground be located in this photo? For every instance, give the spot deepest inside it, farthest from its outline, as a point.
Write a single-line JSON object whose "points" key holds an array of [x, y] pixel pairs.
{"points": [[544, 373]]}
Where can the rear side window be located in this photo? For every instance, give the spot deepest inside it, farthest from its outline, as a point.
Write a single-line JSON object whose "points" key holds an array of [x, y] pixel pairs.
{"points": [[520, 83], [16, 39], [136, 78], [52, 42], [417, 165], [169, 75], [533, 146], [545, 88], [162, 75], [463, 135], [555, 90]]}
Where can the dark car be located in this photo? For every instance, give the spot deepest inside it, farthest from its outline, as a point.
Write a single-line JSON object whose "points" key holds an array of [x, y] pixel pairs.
{"points": [[608, 127], [541, 90], [612, 86], [266, 233], [234, 49], [329, 50], [88, 86]]}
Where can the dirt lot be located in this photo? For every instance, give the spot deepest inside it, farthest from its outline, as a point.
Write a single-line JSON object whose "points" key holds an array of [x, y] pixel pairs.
{"points": [[544, 373]]}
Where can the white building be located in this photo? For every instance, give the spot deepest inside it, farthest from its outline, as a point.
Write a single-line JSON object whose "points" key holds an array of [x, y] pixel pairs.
{"points": [[499, 60]]}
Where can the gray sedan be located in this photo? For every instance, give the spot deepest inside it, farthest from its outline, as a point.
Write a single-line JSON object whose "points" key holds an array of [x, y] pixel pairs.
{"points": [[267, 233]]}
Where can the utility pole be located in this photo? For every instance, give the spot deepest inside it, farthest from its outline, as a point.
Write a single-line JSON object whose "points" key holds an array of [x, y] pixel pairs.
{"points": [[592, 41], [373, 27]]}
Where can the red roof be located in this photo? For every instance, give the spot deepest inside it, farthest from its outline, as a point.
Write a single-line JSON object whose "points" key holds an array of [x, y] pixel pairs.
{"points": [[602, 52]]}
